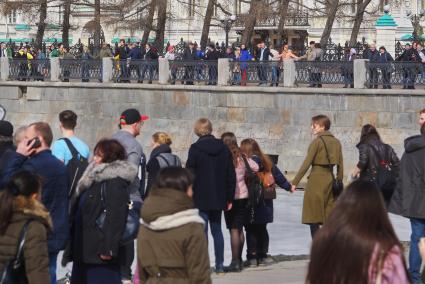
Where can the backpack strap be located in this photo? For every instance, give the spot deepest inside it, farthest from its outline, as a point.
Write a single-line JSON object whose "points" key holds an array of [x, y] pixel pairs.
{"points": [[72, 149], [247, 166], [162, 158], [21, 243]]}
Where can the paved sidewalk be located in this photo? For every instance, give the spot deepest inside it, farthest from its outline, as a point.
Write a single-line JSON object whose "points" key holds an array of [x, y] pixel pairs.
{"points": [[287, 272]]}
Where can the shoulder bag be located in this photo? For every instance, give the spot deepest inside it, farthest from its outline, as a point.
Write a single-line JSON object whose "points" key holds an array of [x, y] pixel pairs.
{"points": [[337, 185], [14, 270]]}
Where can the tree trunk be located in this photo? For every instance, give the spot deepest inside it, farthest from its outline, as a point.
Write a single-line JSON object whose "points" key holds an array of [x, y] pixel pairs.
{"points": [[65, 23], [97, 28], [361, 8], [207, 23], [160, 25], [41, 24], [147, 25], [283, 10], [250, 21], [332, 8]]}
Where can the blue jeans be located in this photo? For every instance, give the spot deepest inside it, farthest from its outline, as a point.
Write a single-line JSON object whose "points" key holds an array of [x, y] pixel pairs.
{"points": [[214, 218], [53, 258], [418, 231]]}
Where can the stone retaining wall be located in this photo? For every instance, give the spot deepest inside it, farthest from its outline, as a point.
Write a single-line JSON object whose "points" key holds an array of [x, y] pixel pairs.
{"points": [[279, 118]]}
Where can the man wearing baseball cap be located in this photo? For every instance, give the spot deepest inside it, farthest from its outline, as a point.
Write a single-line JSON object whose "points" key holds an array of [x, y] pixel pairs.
{"points": [[131, 122]]}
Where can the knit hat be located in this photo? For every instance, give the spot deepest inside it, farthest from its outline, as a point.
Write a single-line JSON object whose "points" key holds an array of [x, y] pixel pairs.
{"points": [[6, 129]]}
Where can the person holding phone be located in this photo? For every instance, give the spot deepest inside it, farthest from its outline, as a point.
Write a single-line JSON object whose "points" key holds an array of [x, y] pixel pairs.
{"points": [[33, 154]]}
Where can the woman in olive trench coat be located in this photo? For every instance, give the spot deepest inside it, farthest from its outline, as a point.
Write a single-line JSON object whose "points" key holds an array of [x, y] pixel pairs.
{"points": [[318, 199]]}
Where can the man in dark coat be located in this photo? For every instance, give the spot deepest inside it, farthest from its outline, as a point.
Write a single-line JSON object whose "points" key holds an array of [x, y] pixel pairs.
{"points": [[215, 181], [212, 55], [189, 55], [122, 57], [372, 54], [135, 55], [409, 197], [149, 54], [36, 157], [262, 55], [410, 70]]}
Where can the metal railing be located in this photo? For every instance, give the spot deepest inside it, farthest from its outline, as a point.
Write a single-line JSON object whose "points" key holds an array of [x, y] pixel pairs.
{"points": [[243, 72], [140, 70], [316, 73], [188, 72], [387, 74], [81, 69], [26, 70]]}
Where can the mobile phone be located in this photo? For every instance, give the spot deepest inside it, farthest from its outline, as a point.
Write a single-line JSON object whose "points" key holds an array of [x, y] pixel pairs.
{"points": [[37, 143]]}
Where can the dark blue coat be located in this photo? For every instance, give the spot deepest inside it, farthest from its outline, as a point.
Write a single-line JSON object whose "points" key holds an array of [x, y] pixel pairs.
{"points": [[54, 193], [135, 53], [264, 212], [215, 178]]}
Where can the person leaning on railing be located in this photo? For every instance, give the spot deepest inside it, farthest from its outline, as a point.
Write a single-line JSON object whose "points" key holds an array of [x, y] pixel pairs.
{"points": [[171, 56], [407, 58]]}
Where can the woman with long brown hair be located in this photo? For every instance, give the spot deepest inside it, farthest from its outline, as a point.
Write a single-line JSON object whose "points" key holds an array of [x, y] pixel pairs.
{"points": [[357, 244], [237, 216], [257, 235]]}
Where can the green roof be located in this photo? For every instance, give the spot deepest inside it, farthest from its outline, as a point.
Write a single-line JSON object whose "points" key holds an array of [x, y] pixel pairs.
{"points": [[409, 37], [386, 21]]}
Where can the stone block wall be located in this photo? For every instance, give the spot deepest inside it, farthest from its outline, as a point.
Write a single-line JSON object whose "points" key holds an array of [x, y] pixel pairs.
{"points": [[279, 118]]}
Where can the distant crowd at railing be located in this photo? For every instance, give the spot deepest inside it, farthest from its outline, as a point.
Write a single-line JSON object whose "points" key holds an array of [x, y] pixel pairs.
{"points": [[266, 67]]}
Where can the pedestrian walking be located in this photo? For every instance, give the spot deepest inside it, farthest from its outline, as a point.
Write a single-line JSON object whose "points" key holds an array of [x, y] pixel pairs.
{"points": [[150, 57], [385, 65], [374, 157], [316, 73], [161, 157], [411, 66], [131, 122], [96, 249], [214, 187], [21, 211], [323, 154], [190, 56], [357, 244], [171, 246], [257, 236], [408, 196], [34, 154], [262, 56], [244, 65], [348, 69], [212, 56], [238, 215], [121, 55]]}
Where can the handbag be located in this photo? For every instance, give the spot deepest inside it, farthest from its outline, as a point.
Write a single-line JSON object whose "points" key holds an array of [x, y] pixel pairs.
{"points": [[337, 185], [268, 184], [132, 224], [14, 270]]}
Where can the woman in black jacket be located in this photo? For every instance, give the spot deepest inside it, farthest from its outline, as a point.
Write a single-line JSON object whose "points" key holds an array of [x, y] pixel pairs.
{"points": [[374, 153], [161, 157], [103, 188]]}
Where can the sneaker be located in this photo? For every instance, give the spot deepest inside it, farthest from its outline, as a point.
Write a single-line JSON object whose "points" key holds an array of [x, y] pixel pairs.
{"points": [[219, 271], [251, 263], [234, 266], [266, 261]]}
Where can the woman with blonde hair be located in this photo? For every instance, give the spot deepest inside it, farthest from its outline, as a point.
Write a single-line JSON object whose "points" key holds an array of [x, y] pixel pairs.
{"points": [[161, 157]]}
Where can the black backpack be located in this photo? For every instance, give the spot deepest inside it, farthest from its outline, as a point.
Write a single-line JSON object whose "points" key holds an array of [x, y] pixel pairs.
{"points": [[253, 184], [168, 160], [385, 177], [14, 270], [76, 167]]}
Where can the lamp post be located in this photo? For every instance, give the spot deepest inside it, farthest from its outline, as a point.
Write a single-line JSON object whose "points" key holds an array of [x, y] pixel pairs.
{"points": [[226, 24], [417, 28]]}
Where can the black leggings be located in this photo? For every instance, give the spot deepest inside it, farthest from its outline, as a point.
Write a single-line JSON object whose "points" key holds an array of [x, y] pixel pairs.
{"points": [[257, 241], [313, 229]]}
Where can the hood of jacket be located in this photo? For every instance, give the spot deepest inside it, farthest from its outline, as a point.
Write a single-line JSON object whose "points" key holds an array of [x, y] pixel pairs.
{"points": [[209, 145], [167, 208], [96, 173], [414, 143], [163, 148], [22, 207]]}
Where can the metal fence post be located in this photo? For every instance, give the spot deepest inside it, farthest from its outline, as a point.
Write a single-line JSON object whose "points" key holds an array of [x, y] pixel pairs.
{"points": [[359, 72], [4, 69], [107, 69], [289, 73], [224, 73], [163, 71], [54, 69]]}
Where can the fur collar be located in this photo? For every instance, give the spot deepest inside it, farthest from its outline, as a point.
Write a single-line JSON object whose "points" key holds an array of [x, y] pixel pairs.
{"points": [[175, 220], [102, 172], [32, 207]]}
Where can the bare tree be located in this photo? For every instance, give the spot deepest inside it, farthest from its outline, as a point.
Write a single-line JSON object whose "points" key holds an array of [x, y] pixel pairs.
{"points": [[207, 23], [148, 23], [283, 10], [160, 24], [41, 27], [250, 21], [361, 8], [65, 22], [332, 7]]}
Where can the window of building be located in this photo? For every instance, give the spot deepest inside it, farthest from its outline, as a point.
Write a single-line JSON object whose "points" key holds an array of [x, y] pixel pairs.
{"points": [[12, 17]]}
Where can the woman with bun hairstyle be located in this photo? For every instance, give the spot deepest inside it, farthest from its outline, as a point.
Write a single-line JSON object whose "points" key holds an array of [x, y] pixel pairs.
{"points": [[161, 157], [20, 206]]}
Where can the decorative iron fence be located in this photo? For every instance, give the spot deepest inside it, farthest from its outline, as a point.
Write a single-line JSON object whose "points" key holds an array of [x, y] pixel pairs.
{"points": [[188, 72], [243, 72], [26, 70], [82, 69], [316, 73], [407, 74], [140, 70]]}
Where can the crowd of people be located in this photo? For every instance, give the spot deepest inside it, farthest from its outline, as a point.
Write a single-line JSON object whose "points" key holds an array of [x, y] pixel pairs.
{"points": [[57, 196]]}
